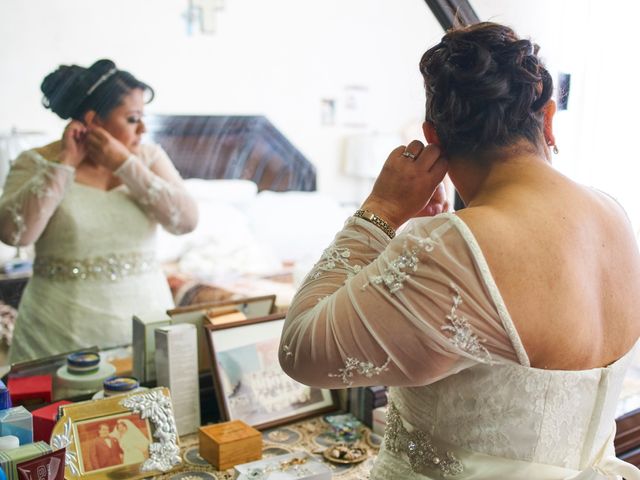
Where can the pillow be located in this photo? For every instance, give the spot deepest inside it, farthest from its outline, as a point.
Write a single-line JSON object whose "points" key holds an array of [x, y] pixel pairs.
{"points": [[239, 193], [297, 225]]}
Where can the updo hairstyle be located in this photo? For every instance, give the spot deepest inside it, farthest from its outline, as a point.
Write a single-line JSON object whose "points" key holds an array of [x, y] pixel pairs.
{"points": [[71, 90], [485, 90]]}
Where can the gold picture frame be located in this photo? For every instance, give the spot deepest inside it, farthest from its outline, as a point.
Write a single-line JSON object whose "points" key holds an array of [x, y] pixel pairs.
{"points": [[130, 436]]}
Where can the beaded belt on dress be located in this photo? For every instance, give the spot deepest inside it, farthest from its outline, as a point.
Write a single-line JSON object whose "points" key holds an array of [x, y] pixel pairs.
{"points": [[418, 446], [112, 267]]}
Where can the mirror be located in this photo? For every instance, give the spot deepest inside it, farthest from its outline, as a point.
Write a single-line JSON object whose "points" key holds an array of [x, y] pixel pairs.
{"points": [[321, 74]]}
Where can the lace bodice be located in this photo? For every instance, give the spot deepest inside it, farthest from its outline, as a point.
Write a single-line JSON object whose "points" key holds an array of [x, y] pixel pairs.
{"points": [[423, 315]]}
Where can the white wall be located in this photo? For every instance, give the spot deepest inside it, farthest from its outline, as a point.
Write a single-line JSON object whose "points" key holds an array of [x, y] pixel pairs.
{"points": [[281, 57], [278, 58]]}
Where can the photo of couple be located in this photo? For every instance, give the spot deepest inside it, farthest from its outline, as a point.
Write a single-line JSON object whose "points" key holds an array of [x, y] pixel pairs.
{"points": [[113, 442]]}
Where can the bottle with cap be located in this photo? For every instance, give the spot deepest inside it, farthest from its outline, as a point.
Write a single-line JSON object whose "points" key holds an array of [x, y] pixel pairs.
{"points": [[15, 421], [83, 374]]}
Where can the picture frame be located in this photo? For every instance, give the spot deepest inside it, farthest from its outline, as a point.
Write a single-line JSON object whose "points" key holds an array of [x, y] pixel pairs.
{"points": [[250, 385], [129, 436]]}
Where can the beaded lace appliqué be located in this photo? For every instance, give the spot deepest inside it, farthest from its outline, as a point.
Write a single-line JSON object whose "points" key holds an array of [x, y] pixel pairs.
{"points": [[418, 446], [332, 257], [398, 270], [353, 365], [462, 336]]}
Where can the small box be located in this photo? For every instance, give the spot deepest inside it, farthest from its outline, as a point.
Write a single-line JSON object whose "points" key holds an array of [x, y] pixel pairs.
{"points": [[17, 421], [32, 390], [228, 444], [10, 458], [144, 346], [44, 419]]}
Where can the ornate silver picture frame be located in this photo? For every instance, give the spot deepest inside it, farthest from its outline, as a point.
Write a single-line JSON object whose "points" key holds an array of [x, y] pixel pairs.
{"points": [[126, 436]]}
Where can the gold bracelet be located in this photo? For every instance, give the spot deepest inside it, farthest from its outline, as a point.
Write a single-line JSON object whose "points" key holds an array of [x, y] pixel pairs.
{"points": [[376, 220]]}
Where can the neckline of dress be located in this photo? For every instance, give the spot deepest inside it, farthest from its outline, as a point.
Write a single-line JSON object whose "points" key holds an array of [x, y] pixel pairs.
{"points": [[89, 187], [503, 312]]}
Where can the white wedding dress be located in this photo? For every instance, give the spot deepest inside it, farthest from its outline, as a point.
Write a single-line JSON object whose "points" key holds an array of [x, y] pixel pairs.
{"points": [[94, 266], [133, 442], [422, 313]]}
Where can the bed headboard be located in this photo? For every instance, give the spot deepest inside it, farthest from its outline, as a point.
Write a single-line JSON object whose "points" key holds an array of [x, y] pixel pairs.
{"points": [[246, 147]]}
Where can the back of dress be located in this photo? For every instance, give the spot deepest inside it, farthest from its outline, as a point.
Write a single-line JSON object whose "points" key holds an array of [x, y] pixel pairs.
{"points": [[423, 314]]}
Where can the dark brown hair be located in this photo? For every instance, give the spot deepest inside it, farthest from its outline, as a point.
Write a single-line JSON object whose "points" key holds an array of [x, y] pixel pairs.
{"points": [[485, 88], [71, 91]]}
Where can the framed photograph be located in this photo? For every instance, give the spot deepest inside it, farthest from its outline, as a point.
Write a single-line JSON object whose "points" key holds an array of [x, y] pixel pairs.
{"points": [[126, 436], [249, 382]]}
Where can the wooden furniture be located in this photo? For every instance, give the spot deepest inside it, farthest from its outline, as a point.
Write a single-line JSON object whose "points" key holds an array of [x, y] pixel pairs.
{"points": [[627, 441], [221, 146]]}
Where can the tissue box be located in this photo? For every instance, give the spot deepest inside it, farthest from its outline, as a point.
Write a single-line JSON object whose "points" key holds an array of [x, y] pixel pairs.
{"points": [[228, 444], [299, 465], [44, 419]]}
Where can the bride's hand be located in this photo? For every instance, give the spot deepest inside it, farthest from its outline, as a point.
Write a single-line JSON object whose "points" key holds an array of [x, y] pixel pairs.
{"points": [[106, 150], [74, 147], [437, 204], [408, 180]]}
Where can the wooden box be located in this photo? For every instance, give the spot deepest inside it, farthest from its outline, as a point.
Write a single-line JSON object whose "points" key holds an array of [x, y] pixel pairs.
{"points": [[228, 444]]}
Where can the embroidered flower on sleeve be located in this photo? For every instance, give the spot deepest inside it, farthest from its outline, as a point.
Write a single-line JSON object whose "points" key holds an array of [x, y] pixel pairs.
{"points": [[334, 257], [462, 335], [398, 270], [353, 366]]}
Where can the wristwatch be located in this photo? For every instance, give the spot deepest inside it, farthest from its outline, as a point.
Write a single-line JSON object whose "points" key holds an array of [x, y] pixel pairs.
{"points": [[376, 220]]}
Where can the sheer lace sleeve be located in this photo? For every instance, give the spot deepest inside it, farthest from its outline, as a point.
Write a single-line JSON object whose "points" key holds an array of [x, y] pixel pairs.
{"points": [[157, 187], [404, 312], [33, 190]]}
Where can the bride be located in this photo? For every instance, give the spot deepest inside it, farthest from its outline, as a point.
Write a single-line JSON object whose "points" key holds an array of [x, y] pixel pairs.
{"points": [[504, 329], [133, 442]]}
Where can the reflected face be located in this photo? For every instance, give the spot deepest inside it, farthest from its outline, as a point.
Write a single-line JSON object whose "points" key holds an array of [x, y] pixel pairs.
{"points": [[125, 121]]}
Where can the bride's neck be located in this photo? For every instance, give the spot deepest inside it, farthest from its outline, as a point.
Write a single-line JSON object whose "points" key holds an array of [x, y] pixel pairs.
{"points": [[485, 182]]}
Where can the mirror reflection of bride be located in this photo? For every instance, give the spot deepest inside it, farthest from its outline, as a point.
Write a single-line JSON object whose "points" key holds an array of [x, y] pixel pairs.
{"points": [[134, 443]]}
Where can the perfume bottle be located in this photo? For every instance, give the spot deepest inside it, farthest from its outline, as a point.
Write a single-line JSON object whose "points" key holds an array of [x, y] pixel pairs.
{"points": [[16, 421]]}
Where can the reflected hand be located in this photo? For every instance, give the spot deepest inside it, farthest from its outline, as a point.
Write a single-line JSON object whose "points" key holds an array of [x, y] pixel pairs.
{"points": [[74, 147], [408, 180], [104, 149], [437, 204]]}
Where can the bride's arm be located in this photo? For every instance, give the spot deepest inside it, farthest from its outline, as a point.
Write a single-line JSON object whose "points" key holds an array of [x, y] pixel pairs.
{"points": [[403, 312], [159, 190], [32, 192]]}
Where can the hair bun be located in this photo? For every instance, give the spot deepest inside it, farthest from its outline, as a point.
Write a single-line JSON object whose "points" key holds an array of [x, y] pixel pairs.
{"points": [[64, 90], [101, 67], [485, 88]]}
